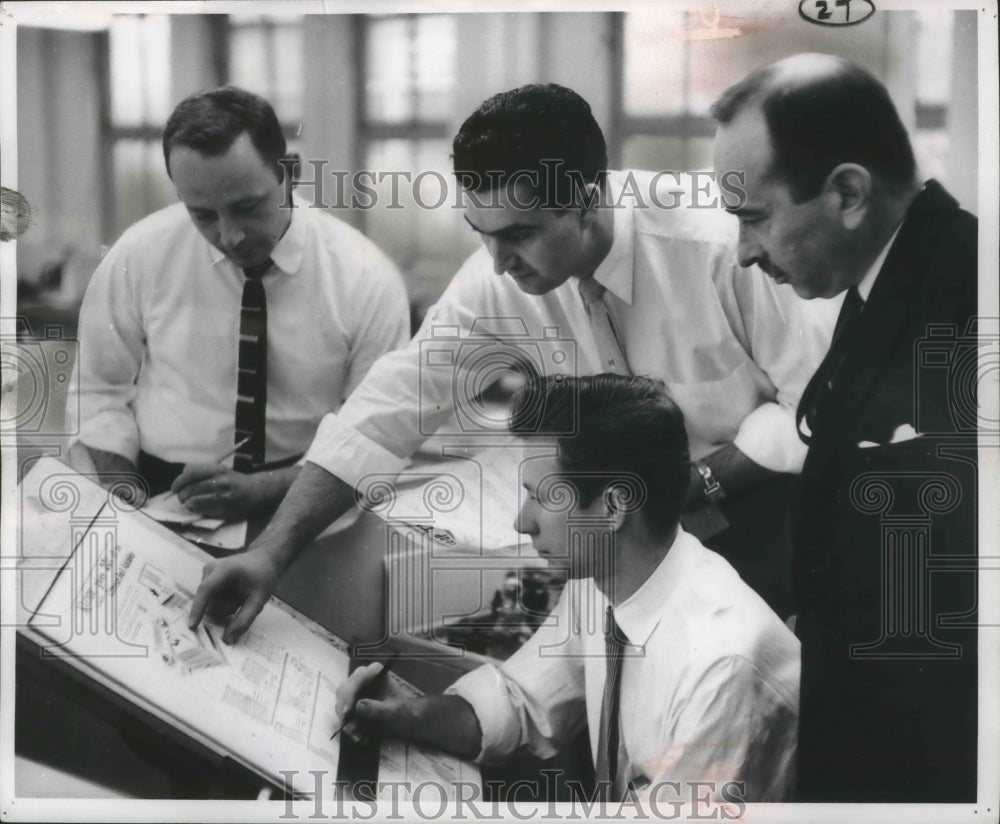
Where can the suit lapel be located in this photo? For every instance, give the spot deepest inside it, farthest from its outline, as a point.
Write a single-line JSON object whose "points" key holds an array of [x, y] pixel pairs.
{"points": [[873, 341], [876, 335]]}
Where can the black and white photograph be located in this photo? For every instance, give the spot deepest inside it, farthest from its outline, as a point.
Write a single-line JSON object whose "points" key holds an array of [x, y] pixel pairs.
{"points": [[534, 411]]}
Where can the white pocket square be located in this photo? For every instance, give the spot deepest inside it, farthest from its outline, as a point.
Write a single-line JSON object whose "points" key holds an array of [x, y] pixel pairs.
{"points": [[903, 432]]}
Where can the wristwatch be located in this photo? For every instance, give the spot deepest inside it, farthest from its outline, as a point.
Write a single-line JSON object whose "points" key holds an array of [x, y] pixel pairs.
{"points": [[714, 493]]}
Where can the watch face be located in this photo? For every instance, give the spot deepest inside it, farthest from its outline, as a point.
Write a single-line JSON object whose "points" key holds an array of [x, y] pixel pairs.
{"points": [[712, 486]]}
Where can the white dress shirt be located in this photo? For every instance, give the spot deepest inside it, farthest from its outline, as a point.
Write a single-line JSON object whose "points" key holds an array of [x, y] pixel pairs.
{"points": [[709, 684], [868, 281], [159, 329], [734, 349]]}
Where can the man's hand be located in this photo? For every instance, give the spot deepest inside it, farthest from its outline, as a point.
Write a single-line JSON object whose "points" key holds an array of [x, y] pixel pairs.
{"points": [[379, 713], [215, 491], [245, 582], [237, 587], [443, 722]]}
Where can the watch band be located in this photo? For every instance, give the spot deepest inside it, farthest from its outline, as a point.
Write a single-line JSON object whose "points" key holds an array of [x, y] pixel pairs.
{"points": [[714, 493]]}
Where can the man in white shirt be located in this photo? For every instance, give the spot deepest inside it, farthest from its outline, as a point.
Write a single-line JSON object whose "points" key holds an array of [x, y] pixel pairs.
{"points": [[165, 365], [578, 276], [707, 675]]}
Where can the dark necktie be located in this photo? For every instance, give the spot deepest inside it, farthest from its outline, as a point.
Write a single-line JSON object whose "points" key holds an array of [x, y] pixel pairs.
{"points": [[608, 740], [251, 380], [817, 392]]}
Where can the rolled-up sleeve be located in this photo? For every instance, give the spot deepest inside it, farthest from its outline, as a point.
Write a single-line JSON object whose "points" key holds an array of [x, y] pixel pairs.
{"points": [[342, 450], [485, 689], [767, 437], [535, 700]]}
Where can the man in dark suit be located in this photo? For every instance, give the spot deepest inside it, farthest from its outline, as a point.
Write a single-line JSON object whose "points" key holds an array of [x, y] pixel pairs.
{"points": [[885, 532]]}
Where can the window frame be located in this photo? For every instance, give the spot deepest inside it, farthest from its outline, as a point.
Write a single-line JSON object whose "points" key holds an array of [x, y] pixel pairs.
{"points": [[368, 131], [685, 126]]}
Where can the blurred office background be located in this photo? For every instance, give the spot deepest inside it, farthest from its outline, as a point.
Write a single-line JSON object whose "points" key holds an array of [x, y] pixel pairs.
{"points": [[387, 93]]}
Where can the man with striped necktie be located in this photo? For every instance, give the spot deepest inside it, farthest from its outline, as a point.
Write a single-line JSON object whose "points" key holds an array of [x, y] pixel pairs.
{"points": [[237, 317]]}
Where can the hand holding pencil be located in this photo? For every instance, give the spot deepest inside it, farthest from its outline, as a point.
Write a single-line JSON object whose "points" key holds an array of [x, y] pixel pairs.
{"points": [[371, 703], [368, 698], [216, 491]]}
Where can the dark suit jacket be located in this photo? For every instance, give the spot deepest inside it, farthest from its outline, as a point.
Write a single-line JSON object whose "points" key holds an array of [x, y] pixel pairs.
{"points": [[886, 534]]}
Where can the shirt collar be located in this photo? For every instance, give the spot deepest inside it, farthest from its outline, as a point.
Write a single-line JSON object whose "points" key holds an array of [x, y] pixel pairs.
{"points": [[640, 613], [615, 272], [288, 252], [868, 281]]}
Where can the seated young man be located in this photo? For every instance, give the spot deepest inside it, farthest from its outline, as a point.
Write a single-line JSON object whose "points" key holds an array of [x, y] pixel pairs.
{"points": [[681, 671]]}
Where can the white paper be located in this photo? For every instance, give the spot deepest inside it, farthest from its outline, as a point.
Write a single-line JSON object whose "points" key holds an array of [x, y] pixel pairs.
{"points": [[403, 767], [231, 536], [168, 509], [122, 603]]}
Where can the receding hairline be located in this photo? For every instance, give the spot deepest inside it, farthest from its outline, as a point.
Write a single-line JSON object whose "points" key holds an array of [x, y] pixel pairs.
{"points": [[212, 153], [794, 73]]}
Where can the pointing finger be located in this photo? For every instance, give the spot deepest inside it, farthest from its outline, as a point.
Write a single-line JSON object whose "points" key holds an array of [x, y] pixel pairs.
{"points": [[244, 618]]}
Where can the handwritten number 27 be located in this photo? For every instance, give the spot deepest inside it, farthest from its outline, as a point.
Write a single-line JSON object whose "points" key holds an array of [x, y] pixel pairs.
{"points": [[826, 15]]}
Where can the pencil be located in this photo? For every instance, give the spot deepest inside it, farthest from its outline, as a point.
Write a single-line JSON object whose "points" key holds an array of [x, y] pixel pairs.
{"points": [[234, 450], [368, 690], [220, 459]]}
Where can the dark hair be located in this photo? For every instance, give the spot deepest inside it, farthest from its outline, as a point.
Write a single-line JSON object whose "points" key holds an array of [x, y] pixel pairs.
{"points": [[209, 123], [545, 133], [609, 427], [822, 111]]}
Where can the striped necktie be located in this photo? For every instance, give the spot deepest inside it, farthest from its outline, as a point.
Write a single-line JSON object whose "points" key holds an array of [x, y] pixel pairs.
{"points": [[609, 738], [609, 341], [251, 380]]}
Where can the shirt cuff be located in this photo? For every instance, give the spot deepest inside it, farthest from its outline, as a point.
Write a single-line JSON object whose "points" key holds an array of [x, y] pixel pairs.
{"points": [[486, 692], [767, 436], [343, 451]]}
